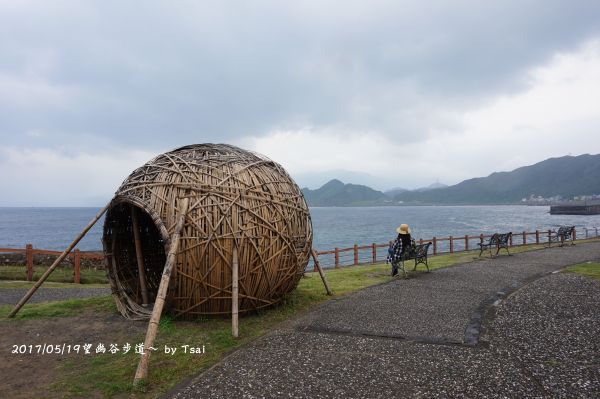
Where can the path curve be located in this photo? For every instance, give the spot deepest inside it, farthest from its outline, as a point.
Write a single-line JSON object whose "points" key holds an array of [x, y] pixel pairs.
{"points": [[422, 337]]}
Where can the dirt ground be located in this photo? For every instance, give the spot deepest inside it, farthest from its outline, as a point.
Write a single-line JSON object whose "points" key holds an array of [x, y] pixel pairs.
{"points": [[29, 375]]}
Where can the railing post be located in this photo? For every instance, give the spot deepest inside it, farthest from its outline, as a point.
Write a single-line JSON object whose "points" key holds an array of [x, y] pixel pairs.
{"points": [[77, 267], [537, 237], [337, 258], [574, 234], [549, 235], [356, 254], [451, 245], [586, 232], [510, 243], [374, 250], [29, 260], [524, 238], [434, 245], [466, 242]]}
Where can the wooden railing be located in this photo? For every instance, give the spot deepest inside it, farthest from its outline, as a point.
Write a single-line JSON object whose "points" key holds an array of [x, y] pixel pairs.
{"points": [[368, 254], [76, 257], [338, 257]]}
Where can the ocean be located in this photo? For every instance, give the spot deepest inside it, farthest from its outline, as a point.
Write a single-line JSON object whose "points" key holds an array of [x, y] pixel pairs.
{"points": [[55, 228]]}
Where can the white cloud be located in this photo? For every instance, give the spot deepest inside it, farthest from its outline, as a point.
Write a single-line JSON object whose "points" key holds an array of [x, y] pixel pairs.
{"points": [[33, 91], [44, 177], [399, 93], [556, 115]]}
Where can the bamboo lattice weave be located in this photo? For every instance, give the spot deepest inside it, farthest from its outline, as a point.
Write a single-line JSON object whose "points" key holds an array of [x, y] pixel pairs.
{"points": [[236, 198]]}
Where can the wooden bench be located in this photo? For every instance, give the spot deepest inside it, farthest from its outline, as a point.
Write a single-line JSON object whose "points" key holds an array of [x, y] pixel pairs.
{"points": [[497, 241], [563, 234]]}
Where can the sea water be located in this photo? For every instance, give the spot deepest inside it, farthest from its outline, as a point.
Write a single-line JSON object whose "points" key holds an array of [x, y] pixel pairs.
{"points": [[55, 228]]}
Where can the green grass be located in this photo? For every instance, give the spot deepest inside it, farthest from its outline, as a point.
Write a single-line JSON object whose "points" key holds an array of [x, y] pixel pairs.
{"points": [[71, 307], [112, 375], [589, 269], [59, 275]]}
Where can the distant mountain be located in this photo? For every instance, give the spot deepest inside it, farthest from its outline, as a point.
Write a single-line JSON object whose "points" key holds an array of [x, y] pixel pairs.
{"points": [[431, 187], [395, 191], [566, 176], [336, 193]]}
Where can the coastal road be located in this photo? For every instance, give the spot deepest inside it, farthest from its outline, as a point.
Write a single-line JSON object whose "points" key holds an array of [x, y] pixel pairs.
{"points": [[502, 327]]}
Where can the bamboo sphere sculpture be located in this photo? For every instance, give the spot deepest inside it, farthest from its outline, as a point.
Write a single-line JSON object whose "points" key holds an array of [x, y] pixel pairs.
{"points": [[236, 198]]}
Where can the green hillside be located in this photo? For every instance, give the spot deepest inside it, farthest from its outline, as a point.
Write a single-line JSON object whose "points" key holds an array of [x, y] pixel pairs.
{"points": [[336, 193], [566, 176]]}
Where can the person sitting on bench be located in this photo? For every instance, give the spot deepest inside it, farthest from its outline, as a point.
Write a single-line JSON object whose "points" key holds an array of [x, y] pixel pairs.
{"points": [[399, 247]]}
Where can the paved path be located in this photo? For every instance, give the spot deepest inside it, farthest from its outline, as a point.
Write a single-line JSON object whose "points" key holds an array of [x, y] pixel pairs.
{"points": [[436, 335], [11, 296]]}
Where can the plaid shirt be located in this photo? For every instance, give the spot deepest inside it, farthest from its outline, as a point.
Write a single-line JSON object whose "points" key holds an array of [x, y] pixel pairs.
{"points": [[395, 251]]}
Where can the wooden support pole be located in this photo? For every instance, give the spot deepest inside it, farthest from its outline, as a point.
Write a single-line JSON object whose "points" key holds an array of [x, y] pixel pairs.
{"points": [[524, 238], [451, 244], [29, 259], [57, 262], [323, 278], [139, 255], [356, 254], [234, 293], [434, 245], [77, 266], [337, 258], [466, 242], [142, 369], [537, 237]]}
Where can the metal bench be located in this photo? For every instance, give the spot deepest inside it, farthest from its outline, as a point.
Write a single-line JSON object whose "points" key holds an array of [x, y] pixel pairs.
{"points": [[418, 253], [563, 234], [497, 241]]}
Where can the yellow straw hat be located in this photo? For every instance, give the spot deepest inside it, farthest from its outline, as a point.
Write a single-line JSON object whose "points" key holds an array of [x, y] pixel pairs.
{"points": [[403, 229]]}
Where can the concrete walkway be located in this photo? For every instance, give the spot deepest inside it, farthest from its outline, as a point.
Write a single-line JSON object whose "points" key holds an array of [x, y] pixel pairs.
{"points": [[435, 335]]}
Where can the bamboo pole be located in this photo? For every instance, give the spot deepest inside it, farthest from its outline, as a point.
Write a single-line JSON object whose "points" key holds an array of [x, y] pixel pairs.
{"points": [[318, 266], [139, 255], [142, 369], [234, 293], [37, 285]]}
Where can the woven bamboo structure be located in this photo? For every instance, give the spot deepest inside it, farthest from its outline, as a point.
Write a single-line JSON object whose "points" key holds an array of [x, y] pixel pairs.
{"points": [[236, 198]]}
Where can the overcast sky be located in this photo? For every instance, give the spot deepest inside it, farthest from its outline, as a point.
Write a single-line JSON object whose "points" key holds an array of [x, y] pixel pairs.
{"points": [[385, 93]]}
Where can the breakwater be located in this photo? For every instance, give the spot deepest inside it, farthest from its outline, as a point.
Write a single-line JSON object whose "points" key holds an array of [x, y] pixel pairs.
{"points": [[575, 210]]}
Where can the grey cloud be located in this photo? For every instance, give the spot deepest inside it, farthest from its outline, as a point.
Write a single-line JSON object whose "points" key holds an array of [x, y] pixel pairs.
{"points": [[188, 72]]}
